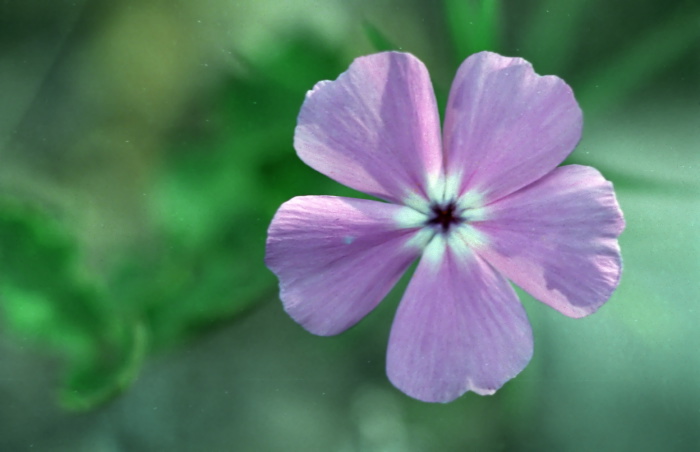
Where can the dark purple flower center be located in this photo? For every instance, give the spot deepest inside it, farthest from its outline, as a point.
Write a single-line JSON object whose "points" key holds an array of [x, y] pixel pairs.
{"points": [[444, 216]]}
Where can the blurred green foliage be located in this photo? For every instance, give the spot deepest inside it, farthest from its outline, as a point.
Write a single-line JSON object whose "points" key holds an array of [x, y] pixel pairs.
{"points": [[47, 300], [211, 203], [215, 226]]}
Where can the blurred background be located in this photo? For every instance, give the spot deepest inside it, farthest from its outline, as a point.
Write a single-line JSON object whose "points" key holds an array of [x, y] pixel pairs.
{"points": [[145, 146]]}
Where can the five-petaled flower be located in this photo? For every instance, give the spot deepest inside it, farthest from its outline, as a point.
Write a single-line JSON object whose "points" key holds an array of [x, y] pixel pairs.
{"points": [[483, 203]]}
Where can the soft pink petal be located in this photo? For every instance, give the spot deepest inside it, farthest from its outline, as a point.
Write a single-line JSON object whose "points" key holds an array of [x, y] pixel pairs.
{"points": [[375, 129], [336, 258], [460, 327], [557, 239], [506, 126]]}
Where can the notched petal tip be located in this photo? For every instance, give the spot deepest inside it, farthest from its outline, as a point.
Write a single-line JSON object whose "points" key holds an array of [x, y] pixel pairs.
{"points": [[496, 60], [507, 126], [375, 128], [459, 328], [317, 87]]}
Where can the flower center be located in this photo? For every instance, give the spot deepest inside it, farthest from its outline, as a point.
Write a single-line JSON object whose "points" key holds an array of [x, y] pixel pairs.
{"points": [[444, 216]]}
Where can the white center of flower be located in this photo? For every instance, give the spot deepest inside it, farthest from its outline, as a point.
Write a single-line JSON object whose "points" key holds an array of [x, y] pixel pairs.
{"points": [[446, 220]]}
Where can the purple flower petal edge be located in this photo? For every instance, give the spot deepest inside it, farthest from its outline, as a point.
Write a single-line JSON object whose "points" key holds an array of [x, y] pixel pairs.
{"points": [[460, 327], [557, 239], [375, 129], [336, 258], [506, 126]]}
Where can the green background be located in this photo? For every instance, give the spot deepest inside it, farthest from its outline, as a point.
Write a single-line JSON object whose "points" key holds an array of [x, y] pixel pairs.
{"points": [[145, 146]]}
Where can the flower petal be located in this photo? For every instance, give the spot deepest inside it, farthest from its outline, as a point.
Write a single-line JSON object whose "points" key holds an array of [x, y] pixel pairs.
{"points": [[336, 258], [459, 327], [375, 129], [506, 126], [557, 239]]}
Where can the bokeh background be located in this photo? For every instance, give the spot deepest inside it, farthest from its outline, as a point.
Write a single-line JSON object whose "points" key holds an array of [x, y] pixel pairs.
{"points": [[145, 146]]}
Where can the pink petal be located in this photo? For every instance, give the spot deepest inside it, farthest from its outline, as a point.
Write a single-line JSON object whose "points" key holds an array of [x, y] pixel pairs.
{"points": [[557, 239], [375, 129], [506, 126], [336, 258], [459, 327]]}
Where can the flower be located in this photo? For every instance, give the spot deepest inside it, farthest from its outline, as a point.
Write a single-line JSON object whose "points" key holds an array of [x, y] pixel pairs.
{"points": [[484, 203]]}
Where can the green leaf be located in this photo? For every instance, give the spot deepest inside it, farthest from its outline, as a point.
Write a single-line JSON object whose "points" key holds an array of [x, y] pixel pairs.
{"points": [[48, 304], [43, 298], [113, 368]]}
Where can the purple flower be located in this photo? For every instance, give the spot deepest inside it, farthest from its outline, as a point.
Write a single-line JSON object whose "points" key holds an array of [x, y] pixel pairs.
{"points": [[484, 203]]}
